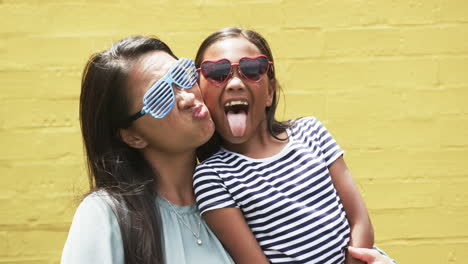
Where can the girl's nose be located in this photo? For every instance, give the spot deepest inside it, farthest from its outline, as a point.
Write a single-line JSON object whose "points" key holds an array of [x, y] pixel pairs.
{"points": [[235, 81], [184, 98]]}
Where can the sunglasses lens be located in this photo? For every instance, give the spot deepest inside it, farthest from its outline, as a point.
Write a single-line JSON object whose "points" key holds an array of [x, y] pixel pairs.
{"points": [[216, 72], [184, 73], [254, 69], [159, 100]]}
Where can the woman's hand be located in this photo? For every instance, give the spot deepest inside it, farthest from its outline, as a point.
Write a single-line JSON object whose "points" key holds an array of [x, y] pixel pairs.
{"points": [[370, 256], [352, 260]]}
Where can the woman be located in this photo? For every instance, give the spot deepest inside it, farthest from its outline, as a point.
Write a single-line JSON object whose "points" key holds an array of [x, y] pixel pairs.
{"points": [[142, 116], [141, 159]]}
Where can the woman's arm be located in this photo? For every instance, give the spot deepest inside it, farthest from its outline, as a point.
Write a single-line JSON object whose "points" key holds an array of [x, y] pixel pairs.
{"points": [[232, 230], [362, 233]]}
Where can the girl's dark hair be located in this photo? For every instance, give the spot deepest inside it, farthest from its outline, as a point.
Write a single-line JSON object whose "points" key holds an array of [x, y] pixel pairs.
{"points": [[274, 127], [121, 171]]}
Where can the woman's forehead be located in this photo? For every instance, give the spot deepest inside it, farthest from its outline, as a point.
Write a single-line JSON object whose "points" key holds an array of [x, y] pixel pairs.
{"points": [[154, 63], [147, 70]]}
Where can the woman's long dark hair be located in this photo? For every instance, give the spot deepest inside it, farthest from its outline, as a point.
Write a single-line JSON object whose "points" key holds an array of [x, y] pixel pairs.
{"points": [[274, 126], [121, 171]]}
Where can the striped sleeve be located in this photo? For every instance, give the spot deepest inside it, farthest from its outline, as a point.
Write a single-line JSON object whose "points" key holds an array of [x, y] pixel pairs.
{"points": [[210, 191], [328, 146]]}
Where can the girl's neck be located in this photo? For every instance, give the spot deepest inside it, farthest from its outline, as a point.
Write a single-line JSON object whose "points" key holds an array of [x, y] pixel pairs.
{"points": [[261, 145], [173, 172]]}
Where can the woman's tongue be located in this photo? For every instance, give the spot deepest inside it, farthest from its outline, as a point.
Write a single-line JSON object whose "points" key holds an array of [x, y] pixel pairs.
{"points": [[237, 122]]}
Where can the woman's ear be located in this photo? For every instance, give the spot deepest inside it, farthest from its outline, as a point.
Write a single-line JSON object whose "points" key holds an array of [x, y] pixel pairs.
{"points": [[132, 139]]}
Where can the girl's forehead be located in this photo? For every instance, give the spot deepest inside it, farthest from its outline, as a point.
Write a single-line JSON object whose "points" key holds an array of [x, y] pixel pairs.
{"points": [[231, 48]]}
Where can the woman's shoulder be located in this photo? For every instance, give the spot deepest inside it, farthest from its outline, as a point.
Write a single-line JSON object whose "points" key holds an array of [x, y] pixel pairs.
{"points": [[94, 235], [97, 208], [99, 201]]}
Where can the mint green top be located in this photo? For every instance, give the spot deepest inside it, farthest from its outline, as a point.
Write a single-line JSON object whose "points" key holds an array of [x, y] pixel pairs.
{"points": [[95, 237]]}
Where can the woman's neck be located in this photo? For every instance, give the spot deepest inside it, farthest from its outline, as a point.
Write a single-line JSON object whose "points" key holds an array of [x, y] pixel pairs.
{"points": [[173, 172]]}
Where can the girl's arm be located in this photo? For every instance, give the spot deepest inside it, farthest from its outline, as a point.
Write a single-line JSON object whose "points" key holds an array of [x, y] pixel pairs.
{"points": [[362, 233], [231, 229]]}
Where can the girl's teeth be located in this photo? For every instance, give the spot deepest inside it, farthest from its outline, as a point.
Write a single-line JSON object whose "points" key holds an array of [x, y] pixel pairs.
{"points": [[236, 103]]}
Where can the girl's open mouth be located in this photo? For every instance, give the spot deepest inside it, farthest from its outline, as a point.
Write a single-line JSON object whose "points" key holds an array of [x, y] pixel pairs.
{"points": [[236, 114]]}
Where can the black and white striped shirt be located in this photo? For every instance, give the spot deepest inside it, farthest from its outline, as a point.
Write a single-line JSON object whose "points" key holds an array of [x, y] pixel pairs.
{"points": [[288, 200]]}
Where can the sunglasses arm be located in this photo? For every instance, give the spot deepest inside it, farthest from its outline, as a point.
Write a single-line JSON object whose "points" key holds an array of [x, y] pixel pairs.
{"points": [[135, 116]]}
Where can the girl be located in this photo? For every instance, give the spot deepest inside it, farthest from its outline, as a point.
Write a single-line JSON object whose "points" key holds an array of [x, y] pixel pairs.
{"points": [[142, 117], [275, 189]]}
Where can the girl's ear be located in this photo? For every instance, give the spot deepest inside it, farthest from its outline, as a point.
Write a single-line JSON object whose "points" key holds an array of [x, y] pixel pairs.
{"points": [[132, 139], [270, 92]]}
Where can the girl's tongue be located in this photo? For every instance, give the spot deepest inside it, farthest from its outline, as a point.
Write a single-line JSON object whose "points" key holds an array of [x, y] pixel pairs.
{"points": [[237, 122]]}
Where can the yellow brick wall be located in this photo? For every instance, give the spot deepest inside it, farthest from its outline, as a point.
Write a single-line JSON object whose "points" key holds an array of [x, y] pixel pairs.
{"points": [[388, 78]]}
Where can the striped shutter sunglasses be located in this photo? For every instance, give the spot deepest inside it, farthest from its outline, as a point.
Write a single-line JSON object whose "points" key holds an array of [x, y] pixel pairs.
{"points": [[160, 98]]}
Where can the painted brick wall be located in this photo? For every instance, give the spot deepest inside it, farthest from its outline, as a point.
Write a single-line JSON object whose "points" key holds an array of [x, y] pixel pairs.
{"points": [[388, 78]]}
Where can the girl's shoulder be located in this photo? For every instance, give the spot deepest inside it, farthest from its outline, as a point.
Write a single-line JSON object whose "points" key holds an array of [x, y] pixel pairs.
{"points": [[308, 122], [307, 128]]}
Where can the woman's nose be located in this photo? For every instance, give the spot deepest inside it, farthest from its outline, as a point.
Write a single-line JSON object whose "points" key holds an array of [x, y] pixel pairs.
{"points": [[185, 98]]}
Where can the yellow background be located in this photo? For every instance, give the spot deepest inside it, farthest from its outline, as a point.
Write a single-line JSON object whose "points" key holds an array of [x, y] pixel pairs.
{"points": [[389, 78]]}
